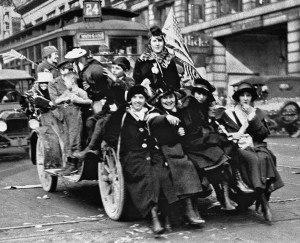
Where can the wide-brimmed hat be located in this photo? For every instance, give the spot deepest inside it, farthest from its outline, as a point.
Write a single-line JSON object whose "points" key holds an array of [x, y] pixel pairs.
{"points": [[179, 94], [137, 89], [203, 86], [65, 65], [48, 50], [75, 53], [122, 62], [44, 77], [245, 87]]}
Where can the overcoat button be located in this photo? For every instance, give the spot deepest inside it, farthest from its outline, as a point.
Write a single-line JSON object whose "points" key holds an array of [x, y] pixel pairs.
{"points": [[148, 158], [141, 129], [144, 145]]}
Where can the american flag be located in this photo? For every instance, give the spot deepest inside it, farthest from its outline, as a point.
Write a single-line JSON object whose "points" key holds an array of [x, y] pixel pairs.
{"points": [[11, 55], [175, 44]]}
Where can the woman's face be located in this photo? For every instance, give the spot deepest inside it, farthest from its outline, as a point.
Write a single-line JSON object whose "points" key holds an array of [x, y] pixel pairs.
{"points": [[168, 101], [43, 86], [157, 44], [245, 98], [200, 96], [138, 101], [117, 71]]}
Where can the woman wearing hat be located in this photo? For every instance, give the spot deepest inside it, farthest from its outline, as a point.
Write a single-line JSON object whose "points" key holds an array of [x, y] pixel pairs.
{"points": [[141, 159], [156, 67], [246, 125], [209, 151], [165, 126]]}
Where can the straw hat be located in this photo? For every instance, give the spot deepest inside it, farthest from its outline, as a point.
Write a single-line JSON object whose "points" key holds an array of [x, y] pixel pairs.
{"points": [[75, 53]]}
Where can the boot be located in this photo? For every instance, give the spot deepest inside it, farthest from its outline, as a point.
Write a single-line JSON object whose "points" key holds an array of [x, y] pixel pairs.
{"points": [[190, 214], [156, 226], [227, 202], [241, 184], [168, 226], [195, 208], [71, 167], [265, 207]]}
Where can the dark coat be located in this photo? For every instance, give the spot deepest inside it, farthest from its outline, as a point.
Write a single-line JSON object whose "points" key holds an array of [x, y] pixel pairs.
{"points": [[92, 73], [184, 175], [143, 165], [169, 76], [257, 163], [46, 66], [201, 143]]}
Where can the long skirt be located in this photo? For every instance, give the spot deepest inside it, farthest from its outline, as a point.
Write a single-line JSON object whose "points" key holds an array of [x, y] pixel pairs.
{"points": [[183, 172], [258, 168]]}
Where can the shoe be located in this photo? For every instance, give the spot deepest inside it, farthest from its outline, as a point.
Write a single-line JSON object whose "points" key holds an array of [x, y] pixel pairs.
{"points": [[71, 167], [168, 226], [241, 184], [86, 153], [227, 202], [190, 214], [156, 226], [265, 208]]}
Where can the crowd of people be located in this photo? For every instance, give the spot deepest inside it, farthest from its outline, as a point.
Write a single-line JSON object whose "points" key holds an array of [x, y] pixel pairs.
{"points": [[172, 146]]}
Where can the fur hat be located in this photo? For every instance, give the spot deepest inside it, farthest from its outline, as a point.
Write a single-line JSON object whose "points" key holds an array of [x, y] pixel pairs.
{"points": [[245, 87], [48, 50], [137, 89], [122, 62], [44, 77]]}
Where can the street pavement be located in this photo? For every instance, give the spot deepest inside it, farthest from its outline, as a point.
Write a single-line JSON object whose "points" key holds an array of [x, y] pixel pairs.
{"points": [[74, 212]]}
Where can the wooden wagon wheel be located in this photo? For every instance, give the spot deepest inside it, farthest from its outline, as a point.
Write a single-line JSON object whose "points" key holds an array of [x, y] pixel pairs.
{"points": [[111, 184], [49, 182]]}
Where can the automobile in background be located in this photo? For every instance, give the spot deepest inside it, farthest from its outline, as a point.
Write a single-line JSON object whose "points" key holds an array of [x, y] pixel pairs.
{"points": [[279, 97], [14, 127]]}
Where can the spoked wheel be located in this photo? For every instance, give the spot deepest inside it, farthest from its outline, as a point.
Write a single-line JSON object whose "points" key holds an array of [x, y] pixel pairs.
{"points": [[111, 184], [48, 181]]}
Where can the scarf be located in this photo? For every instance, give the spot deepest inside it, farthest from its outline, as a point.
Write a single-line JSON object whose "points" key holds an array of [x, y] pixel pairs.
{"points": [[163, 58], [138, 115]]}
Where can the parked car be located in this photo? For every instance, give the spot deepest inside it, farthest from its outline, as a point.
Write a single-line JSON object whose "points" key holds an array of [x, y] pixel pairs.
{"points": [[14, 128], [279, 97]]}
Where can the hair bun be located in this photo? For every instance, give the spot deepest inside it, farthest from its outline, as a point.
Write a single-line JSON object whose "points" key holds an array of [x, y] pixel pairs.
{"points": [[156, 31]]}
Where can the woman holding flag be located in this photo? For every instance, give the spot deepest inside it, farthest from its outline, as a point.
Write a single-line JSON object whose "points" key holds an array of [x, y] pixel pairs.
{"points": [[156, 67]]}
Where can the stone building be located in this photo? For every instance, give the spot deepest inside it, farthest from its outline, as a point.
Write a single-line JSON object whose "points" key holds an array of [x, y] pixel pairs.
{"points": [[246, 37]]}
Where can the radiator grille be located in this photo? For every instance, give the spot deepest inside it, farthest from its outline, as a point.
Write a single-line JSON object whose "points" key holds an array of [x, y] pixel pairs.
{"points": [[17, 127]]}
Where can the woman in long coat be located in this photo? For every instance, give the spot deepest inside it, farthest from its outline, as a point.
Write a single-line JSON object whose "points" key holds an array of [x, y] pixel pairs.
{"points": [[165, 127], [156, 67], [206, 148], [247, 126], [143, 165]]}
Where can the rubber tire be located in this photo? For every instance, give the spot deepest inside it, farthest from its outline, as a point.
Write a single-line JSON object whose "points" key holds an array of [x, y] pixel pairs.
{"points": [[112, 185], [49, 182]]}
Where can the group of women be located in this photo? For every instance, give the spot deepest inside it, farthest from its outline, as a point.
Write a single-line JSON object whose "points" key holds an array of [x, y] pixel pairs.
{"points": [[173, 147]]}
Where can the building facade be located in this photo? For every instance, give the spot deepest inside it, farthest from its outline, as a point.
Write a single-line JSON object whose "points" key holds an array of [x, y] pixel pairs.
{"points": [[246, 37], [10, 21]]}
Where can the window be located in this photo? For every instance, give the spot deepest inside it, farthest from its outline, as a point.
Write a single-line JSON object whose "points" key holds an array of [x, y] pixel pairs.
{"points": [[73, 4], [195, 11], [262, 2], [39, 20], [123, 45], [227, 7], [51, 14], [62, 9], [164, 11]]}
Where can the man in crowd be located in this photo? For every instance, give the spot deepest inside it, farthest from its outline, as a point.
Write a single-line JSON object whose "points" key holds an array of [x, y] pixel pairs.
{"points": [[49, 64]]}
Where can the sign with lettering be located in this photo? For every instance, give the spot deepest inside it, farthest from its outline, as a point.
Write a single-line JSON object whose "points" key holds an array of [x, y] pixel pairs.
{"points": [[91, 36], [92, 9], [198, 41]]}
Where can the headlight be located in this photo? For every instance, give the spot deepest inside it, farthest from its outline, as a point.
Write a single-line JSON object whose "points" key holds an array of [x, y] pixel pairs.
{"points": [[33, 124], [3, 126]]}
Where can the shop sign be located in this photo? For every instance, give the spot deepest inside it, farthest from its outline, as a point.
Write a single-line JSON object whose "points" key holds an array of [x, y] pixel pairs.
{"points": [[91, 36], [198, 40]]}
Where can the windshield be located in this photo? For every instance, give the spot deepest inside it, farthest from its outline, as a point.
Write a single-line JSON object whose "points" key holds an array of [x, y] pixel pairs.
{"points": [[11, 90]]}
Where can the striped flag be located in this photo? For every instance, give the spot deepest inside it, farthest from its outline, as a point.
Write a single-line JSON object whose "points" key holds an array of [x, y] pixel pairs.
{"points": [[11, 55], [175, 44]]}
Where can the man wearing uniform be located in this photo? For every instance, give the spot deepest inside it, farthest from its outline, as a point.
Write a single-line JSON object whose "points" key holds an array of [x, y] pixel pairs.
{"points": [[49, 64]]}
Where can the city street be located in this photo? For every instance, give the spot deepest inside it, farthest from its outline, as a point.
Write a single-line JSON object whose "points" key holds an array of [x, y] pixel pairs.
{"points": [[74, 211]]}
